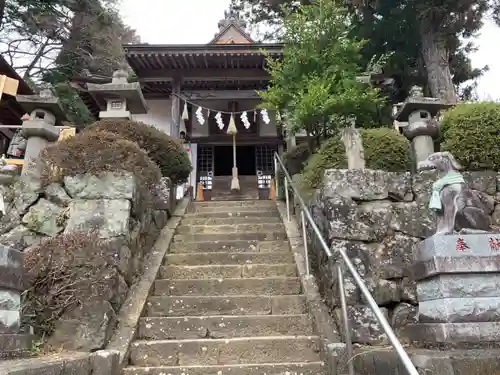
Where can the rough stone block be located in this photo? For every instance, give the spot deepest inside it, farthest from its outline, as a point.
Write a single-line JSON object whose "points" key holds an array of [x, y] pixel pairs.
{"points": [[160, 218], [412, 219], [11, 269], [484, 181], [393, 258], [162, 195], [110, 217], [20, 238], [404, 314], [460, 310], [448, 246], [105, 362], [111, 185], [45, 217], [56, 194], [349, 221], [364, 326], [367, 184], [459, 286], [85, 328]]}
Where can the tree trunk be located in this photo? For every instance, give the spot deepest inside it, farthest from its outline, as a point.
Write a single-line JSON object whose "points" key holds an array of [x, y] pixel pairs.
{"points": [[436, 59], [2, 10]]}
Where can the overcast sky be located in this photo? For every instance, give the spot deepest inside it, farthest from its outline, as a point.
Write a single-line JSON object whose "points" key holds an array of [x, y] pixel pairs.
{"points": [[195, 21]]}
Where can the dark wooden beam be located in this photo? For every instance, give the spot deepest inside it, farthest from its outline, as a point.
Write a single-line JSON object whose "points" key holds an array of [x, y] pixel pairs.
{"points": [[220, 94], [247, 139], [203, 75]]}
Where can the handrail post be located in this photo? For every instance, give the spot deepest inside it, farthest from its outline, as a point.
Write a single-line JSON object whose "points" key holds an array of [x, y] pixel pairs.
{"points": [[345, 321], [276, 174], [287, 200], [304, 236], [382, 320]]}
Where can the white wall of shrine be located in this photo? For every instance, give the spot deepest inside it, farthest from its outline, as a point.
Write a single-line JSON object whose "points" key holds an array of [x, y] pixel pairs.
{"points": [[159, 114]]}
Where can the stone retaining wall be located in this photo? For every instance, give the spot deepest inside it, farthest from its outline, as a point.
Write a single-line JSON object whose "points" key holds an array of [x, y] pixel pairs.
{"points": [[378, 217], [112, 205]]}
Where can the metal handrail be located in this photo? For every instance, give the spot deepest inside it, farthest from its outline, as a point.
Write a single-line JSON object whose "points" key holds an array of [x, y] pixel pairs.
{"points": [[305, 214]]}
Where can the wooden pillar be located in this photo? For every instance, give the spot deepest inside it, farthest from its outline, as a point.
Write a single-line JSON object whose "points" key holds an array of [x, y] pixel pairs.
{"points": [[176, 107]]}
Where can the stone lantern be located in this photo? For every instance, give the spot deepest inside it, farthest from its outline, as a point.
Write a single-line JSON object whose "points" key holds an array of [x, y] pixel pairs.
{"points": [[119, 99], [40, 129], [420, 112]]}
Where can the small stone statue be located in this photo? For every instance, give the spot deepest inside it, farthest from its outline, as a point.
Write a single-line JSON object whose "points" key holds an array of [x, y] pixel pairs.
{"points": [[458, 208], [416, 92]]}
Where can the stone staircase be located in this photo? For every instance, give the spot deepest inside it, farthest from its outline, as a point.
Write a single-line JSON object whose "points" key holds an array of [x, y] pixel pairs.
{"points": [[221, 188], [228, 300]]}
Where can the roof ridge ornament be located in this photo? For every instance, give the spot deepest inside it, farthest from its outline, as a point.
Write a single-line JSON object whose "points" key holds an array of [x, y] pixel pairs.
{"points": [[232, 17]]}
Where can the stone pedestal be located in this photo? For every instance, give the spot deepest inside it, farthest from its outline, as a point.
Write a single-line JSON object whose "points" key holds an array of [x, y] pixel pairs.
{"points": [[40, 129], [12, 342], [39, 134], [419, 112], [458, 279], [118, 99]]}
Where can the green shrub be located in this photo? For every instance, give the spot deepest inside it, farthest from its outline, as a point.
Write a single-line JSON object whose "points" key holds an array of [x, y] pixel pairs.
{"points": [[386, 149], [167, 152], [295, 158], [471, 132], [331, 155], [96, 153]]}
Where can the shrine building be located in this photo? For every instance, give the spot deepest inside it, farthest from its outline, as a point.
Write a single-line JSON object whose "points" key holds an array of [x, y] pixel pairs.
{"points": [[222, 76]]}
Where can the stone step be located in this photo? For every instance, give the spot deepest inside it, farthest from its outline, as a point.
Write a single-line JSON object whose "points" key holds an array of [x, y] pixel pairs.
{"points": [[228, 258], [231, 228], [304, 368], [222, 197], [214, 237], [236, 203], [218, 327], [161, 306], [246, 350], [230, 220], [256, 213], [233, 210], [229, 246], [228, 271], [228, 287]]}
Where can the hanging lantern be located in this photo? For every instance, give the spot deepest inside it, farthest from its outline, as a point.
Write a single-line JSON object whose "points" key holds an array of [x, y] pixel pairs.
{"points": [[231, 129], [185, 113]]}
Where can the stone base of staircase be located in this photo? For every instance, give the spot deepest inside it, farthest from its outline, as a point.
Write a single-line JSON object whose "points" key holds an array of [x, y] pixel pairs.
{"points": [[221, 189], [228, 300]]}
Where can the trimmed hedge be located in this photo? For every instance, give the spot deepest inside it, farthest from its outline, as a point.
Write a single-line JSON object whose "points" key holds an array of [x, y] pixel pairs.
{"points": [[95, 153], [384, 149], [167, 152], [295, 158], [471, 132], [331, 155]]}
